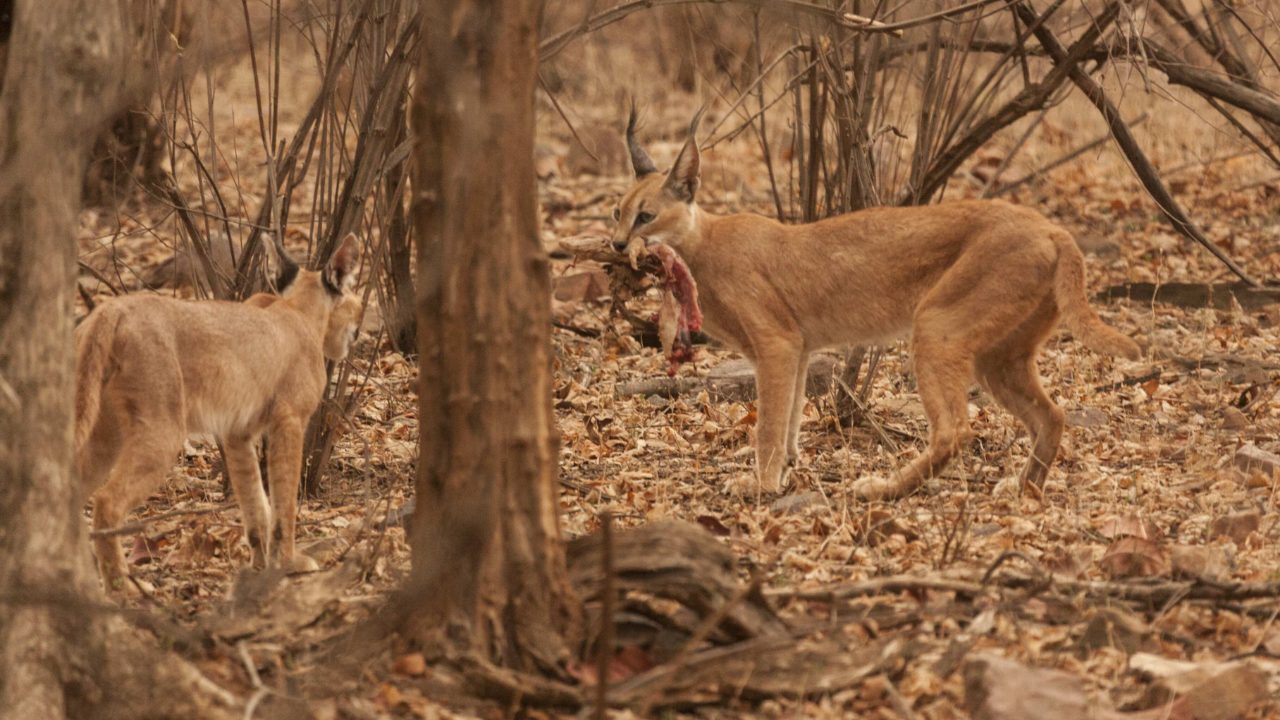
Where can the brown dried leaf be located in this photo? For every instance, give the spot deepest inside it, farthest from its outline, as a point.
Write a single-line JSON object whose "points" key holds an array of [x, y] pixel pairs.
{"points": [[413, 664], [713, 525], [1131, 556]]}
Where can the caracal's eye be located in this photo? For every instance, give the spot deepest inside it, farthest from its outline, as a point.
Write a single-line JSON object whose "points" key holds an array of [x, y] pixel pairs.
{"points": [[617, 214], [644, 218]]}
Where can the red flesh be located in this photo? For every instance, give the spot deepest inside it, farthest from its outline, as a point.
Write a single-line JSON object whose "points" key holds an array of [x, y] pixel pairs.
{"points": [[679, 286]]}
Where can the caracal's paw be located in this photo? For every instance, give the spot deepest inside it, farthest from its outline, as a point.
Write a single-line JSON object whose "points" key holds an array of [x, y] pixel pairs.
{"points": [[749, 487], [300, 563], [879, 487], [125, 589]]}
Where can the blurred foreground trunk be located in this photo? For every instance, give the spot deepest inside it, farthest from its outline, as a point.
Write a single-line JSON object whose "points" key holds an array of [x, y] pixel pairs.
{"points": [[61, 654], [489, 575]]}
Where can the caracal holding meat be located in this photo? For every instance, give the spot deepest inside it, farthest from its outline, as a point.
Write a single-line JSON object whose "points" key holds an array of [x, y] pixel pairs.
{"points": [[978, 285], [152, 370]]}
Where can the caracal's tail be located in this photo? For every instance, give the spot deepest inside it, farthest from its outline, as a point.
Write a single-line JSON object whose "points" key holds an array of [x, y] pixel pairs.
{"points": [[1068, 291], [93, 353]]}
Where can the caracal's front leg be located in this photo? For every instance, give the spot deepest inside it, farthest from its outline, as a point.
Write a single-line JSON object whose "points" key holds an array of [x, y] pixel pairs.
{"points": [[246, 482], [797, 411], [284, 466], [775, 385]]}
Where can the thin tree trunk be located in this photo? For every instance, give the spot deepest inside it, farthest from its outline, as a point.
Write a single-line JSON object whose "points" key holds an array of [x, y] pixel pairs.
{"points": [[62, 653], [43, 547], [488, 560]]}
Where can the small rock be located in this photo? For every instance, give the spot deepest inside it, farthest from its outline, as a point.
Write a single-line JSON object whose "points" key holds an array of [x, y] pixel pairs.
{"points": [[1086, 417], [1236, 526], [1000, 689], [1022, 528], [1234, 419], [1252, 457], [1200, 561], [798, 502], [1210, 691], [1091, 244]]}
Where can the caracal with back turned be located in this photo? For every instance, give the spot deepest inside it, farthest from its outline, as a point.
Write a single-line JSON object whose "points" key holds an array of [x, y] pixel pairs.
{"points": [[152, 370]]}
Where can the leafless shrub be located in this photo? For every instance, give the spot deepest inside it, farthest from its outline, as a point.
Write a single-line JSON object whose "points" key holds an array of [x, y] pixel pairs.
{"points": [[344, 161]]}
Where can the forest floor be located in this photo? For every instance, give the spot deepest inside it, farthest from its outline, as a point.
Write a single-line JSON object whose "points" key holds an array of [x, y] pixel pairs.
{"points": [[1146, 490]]}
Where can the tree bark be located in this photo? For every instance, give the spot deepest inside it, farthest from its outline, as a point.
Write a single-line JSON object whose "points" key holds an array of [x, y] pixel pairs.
{"points": [[489, 574], [62, 653]]}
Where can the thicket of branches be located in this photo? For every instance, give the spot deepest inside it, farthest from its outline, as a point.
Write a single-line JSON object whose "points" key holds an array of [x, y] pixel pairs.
{"points": [[878, 105]]}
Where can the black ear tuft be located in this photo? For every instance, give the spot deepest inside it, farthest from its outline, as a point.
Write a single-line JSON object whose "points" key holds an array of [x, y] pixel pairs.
{"points": [[286, 268], [288, 274], [640, 160]]}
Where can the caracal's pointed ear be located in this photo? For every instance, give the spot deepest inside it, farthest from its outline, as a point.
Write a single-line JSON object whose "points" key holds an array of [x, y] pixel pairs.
{"points": [[640, 160], [342, 265], [686, 173]]}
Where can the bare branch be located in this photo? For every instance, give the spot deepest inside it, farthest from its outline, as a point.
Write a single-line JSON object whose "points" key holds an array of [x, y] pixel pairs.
{"points": [[550, 47], [1128, 145]]}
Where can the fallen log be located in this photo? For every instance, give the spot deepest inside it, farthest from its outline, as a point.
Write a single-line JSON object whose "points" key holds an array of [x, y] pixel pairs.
{"points": [[1195, 295], [731, 381]]}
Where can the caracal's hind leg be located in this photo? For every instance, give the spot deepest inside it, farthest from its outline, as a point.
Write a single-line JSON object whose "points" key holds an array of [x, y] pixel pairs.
{"points": [[147, 453], [971, 309], [1008, 372], [797, 412], [246, 481], [98, 456], [284, 470]]}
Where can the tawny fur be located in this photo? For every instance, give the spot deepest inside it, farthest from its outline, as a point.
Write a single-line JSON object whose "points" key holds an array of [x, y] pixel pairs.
{"points": [[977, 286], [153, 370]]}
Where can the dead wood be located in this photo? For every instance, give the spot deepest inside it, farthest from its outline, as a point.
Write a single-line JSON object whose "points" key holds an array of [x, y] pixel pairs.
{"points": [[1153, 593], [1006, 188], [1032, 97], [510, 686], [1145, 171], [756, 670], [731, 644], [882, 586], [1221, 296], [1255, 100], [731, 381], [551, 46], [676, 561], [139, 526], [1233, 60]]}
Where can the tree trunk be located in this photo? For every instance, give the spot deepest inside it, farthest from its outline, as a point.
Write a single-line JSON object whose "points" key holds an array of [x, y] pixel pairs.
{"points": [[61, 653], [489, 573]]}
